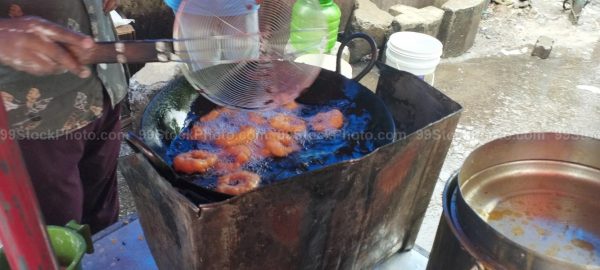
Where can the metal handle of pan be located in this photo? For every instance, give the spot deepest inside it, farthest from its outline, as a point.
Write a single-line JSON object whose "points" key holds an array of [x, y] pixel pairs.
{"points": [[374, 54], [157, 162]]}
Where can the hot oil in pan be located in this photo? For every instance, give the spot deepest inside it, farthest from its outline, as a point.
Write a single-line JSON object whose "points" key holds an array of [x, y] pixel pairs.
{"points": [[316, 149], [541, 222]]}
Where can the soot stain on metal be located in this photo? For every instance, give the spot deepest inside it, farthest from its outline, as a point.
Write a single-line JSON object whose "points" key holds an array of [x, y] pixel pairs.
{"points": [[167, 211]]}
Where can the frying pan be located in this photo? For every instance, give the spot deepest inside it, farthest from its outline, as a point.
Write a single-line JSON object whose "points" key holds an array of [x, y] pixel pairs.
{"points": [[164, 117]]}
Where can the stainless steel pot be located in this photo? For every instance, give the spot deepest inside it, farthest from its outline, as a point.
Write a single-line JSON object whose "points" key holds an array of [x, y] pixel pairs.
{"points": [[527, 201]]}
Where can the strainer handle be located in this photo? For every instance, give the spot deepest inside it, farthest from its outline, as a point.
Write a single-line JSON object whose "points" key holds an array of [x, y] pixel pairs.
{"points": [[129, 51], [374, 54]]}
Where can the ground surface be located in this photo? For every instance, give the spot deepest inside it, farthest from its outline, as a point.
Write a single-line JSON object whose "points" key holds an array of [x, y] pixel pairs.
{"points": [[505, 91]]}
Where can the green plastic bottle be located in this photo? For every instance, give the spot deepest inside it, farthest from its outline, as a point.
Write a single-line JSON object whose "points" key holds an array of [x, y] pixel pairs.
{"points": [[311, 14]]}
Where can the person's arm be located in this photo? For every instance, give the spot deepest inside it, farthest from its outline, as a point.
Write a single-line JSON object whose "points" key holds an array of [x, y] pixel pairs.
{"points": [[110, 5], [38, 47]]}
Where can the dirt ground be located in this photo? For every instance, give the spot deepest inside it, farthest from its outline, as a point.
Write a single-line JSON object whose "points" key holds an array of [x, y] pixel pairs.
{"points": [[503, 29], [506, 91]]}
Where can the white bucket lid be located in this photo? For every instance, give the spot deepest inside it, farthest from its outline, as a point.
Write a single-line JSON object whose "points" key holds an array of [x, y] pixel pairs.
{"points": [[417, 44], [411, 64]]}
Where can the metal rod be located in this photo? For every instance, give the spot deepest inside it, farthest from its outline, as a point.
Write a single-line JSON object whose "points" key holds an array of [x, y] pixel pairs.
{"points": [[22, 231]]}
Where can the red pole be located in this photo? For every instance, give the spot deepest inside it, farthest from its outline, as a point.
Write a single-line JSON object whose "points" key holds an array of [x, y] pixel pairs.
{"points": [[22, 231]]}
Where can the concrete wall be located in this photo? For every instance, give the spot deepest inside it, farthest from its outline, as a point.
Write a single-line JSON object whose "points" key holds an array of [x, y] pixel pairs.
{"points": [[460, 25], [453, 22]]}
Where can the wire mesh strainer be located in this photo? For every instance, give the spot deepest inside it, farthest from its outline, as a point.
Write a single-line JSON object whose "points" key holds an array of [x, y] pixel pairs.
{"points": [[237, 53]]}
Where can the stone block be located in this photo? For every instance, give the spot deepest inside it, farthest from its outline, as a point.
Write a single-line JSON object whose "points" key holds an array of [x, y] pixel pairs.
{"points": [[402, 9], [369, 19], [386, 4], [543, 47], [460, 24], [346, 7], [426, 20], [345, 52], [439, 3]]}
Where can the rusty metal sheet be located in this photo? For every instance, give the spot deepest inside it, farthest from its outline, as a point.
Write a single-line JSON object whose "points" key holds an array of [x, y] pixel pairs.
{"points": [[350, 215]]}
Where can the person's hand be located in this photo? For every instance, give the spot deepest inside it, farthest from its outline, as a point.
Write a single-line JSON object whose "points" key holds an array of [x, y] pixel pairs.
{"points": [[15, 11], [110, 5], [38, 47]]}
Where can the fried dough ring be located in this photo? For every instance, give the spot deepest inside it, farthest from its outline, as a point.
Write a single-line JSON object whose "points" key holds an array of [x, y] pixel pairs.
{"points": [[212, 115], [195, 161], [287, 123], [238, 182], [240, 153], [256, 118], [246, 135], [279, 144], [197, 133], [323, 121]]}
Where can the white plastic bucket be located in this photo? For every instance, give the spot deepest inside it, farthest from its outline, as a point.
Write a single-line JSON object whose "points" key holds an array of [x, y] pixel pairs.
{"points": [[413, 52]]}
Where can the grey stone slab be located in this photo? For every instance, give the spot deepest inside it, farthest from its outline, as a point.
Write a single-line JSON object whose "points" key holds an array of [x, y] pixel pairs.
{"points": [[425, 20], [386, 4], [439, 3], [460, 25], [346, 7], [368, 18], [543, 47], [401, 9]]}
